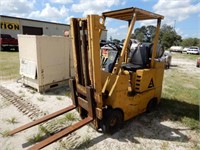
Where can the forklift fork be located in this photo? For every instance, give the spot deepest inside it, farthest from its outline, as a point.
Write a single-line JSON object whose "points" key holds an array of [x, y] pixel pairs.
{"points": [[43, 119], [69, 129]]}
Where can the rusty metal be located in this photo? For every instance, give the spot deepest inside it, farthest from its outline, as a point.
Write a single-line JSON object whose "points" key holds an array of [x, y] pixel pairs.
{"points": [[77, 51], [83, 103], [61, 134], [72, 84], [43, 119], [84, 53], [24, 106], [81, 89], [90, 99]]}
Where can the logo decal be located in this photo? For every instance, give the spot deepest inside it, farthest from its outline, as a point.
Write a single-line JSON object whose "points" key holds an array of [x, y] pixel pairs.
{"points": [[151, 84]]}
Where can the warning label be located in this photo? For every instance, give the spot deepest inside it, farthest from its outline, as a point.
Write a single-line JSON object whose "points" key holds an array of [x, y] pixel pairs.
{"points": [[151, 84]]}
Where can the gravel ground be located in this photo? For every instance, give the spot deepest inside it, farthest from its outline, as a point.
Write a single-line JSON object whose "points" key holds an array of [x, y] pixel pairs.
{"points": [[142, 132]]}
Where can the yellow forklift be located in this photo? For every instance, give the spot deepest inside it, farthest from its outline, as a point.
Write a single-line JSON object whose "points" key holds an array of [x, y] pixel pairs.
{"points": [[108, 93]]}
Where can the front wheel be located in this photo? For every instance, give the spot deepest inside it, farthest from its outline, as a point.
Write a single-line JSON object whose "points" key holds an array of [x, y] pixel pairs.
{"points": [[151, 105], [113, 120]]}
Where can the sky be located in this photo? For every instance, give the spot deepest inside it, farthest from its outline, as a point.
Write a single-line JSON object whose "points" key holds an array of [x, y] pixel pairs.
{"points": [[183, 15]]}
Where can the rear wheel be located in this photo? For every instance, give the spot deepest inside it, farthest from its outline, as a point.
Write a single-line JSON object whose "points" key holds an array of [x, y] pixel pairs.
{"points": [[113, 120]]}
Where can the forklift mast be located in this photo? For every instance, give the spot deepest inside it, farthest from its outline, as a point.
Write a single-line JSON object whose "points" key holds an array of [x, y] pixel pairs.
{"points": [[86, 49]]}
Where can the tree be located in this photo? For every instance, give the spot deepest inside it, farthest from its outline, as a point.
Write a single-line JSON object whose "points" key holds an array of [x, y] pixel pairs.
{"points": [[151, 31], [190, 42], [144, 34], [116, 41], [169, 37]]}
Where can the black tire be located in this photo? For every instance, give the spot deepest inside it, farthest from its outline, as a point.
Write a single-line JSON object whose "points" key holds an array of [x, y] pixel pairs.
{"points": [[16, 49], [113, 121], [151, 105]]}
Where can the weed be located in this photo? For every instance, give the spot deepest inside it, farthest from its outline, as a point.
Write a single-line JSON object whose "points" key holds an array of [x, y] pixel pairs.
{"points": [[32, 91], [59, 98], [68, 94], [86, 141], [4, 103], [70, 117], [5, 133], [67, 144], [193, 124], [35, 138], [40, 99], [43, 129], [12, 120], [23, 95], [195, 146], [20, 91], [164, 146]]}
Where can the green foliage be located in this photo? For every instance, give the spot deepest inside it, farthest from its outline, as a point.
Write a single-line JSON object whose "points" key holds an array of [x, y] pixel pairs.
{"points": [[68, 94], [35, 138], [5, 133], [169, 37], [59, 98], [43, 129], [144, 34], [70, 117], [190, 42], [180, 96], [12, 120], [40, 99], [116, 41], [9, 66]]}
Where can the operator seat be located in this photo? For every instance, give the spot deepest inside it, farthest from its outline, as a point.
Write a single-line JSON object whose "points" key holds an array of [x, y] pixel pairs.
{"points": [[138, 58]]}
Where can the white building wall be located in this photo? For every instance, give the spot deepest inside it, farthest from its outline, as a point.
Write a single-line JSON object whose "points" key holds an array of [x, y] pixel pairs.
{"points": [[48, 27], [5, 30]]}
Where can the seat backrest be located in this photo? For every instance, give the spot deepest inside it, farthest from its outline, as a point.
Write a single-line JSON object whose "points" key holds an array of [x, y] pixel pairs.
{"points": [[140, 56]]}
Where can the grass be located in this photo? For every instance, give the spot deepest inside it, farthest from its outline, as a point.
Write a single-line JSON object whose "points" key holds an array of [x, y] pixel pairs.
{"points": [[40, 99], [4, 103], [59, 98], [68, 94], [5, 133], [180, 96], [35, 138], [85, 142], [53, 126], [66, 145], [12, 120], [184, 55], [70, 117], [9, 65], [181, 86]]}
